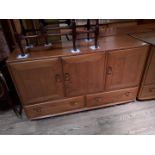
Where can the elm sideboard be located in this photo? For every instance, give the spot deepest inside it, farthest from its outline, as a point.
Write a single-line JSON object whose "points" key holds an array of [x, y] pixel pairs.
{"points": [[147, 88], [55, 81]]}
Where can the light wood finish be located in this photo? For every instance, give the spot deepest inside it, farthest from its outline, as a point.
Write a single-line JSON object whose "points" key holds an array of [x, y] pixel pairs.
{"points": [[38, 80], [124, 68], [58, 50], [116, 96], [47, 77], [148, 82], [84, 74], [54, 107]]}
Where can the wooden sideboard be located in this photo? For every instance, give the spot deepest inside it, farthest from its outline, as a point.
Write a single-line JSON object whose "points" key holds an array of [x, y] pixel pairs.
{"points": [[54, 82], [147, 89]]}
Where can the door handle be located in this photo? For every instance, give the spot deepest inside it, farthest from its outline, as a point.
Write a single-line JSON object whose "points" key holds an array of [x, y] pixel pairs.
{"points": [[74, 103], [37, 109], [109, 70], [98, 99], [127, 94], [67, 77], [57, 78]]}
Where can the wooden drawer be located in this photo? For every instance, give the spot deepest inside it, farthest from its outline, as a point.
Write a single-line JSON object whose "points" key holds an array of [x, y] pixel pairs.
{"points": [[147, 92], [54, 107], [117, 96]]}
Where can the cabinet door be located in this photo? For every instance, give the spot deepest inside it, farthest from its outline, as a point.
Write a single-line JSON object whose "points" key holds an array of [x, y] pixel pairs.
{"points": [[150, 72], [38, 80], [124, 67], [84, 73]]}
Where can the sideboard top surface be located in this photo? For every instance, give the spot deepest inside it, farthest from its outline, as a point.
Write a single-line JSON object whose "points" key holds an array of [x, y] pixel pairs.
{"points": [[109, 43]]}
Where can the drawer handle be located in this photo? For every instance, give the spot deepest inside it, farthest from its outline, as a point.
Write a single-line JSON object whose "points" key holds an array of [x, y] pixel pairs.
{"points": [[109, 70], [74, 103], [57, 78], [98, 99], [67, 77], [37, 109], [151, 89], [127, 93]]}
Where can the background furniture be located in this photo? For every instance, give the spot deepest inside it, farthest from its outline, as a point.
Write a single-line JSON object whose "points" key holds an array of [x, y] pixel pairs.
{"points": [[147, 89]]}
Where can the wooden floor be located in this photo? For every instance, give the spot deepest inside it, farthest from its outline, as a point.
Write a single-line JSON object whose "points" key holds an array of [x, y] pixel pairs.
{"points": [[131, 118]]}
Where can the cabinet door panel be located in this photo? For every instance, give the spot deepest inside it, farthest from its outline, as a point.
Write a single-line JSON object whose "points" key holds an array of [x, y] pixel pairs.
{"points": [[84, 73], [124, 67], [38, 80]]}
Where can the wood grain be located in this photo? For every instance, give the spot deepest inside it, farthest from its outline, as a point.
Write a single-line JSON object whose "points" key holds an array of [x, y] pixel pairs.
{"points": [[125, 67], [48, 76], [84, 74], [38, 80], [123, 95], [54, 107], [117, 42]]}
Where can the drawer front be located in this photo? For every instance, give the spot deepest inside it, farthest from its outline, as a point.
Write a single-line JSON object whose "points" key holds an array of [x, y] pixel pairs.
{"points": [[112, 97], [147, 92], [54, 107]]}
